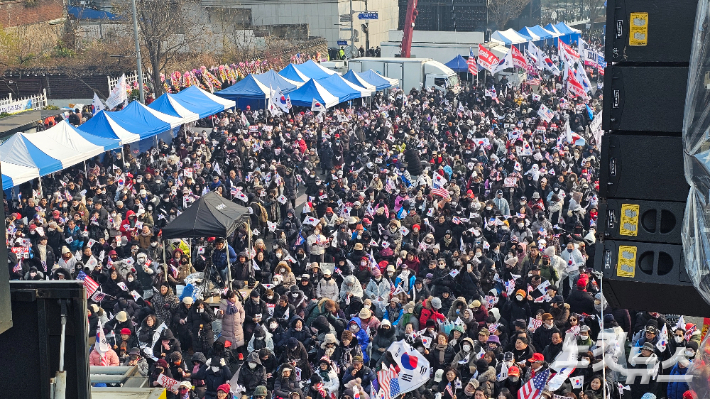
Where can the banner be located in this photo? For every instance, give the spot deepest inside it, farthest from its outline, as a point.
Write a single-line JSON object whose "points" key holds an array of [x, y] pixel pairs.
{"points": [[168, 383], [118, 94], [414, 367], [16, 106], [487, 59], [518, 58], [545, 113]]}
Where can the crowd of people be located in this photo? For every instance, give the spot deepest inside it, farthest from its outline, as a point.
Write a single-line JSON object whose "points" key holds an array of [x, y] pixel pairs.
{"points": [[462, 223]]}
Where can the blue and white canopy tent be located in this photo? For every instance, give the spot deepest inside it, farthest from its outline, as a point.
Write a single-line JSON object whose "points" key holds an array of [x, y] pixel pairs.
{"points": [[508, 37], [314, 70], [169, 106], [352, 77], [14, 175], [103, 125], [310, 91], [293, 74], [272, 79], [247, 92], [377, 80], [341, 88], [201, 102]]}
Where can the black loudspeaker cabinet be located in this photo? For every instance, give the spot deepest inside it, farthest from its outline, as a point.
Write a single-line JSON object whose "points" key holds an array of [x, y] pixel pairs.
{"points": [[642, 167], [644, 99], [31, 346], [662, 30], [647, 221], [647, 276]]}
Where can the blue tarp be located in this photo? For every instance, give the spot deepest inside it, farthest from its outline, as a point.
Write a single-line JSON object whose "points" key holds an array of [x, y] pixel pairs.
{"points": [[193, 99], [274, 80], [83, 14], [290, 72], [310, 91], [137, 119], [337, 87], [375, 79], [569, 35], [542, 32], [458, 64], [20, 151], [313, 70]]}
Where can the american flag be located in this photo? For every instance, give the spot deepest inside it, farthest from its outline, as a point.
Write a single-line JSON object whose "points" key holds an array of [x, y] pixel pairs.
{"points": [[471, 62], [389, 385], [450, 390], [441, 193], [533, 388], [89, 283]]}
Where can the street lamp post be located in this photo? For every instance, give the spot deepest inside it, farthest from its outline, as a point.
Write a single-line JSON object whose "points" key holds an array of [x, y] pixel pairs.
{"points": [[138, 53]]}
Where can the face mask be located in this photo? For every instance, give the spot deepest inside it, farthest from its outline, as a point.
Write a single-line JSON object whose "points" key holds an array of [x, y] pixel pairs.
{"points": [[548, 326], [570, 250], [298, 328], [214, 369], [252, 365], [354, 328], [521, 225], [488, 208], [583, 337], [478, 254], [130, 279], [689, 354], [513, 379], [467, 348], [678, 339], [519, 297]]}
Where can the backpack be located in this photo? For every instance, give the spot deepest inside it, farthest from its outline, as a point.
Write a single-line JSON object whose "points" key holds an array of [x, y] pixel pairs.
{"points": [[263, 218]]}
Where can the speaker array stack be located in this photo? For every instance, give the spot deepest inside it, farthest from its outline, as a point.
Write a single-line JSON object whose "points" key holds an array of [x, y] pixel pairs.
{"points": [[642, 185]]}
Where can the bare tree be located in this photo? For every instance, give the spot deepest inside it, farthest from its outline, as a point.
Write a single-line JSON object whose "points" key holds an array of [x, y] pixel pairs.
{"points": [[597, 9], [166, 32], [502, 11]]}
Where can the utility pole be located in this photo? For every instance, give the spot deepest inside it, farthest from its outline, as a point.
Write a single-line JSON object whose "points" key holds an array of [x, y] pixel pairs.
{"points": [[138, 52], [352, 31]]}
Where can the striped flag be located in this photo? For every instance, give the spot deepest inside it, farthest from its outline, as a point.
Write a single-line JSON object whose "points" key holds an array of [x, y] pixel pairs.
{"points": [[533, 388], [389, 385], [441, 193], [89, 283], [471, 62]]}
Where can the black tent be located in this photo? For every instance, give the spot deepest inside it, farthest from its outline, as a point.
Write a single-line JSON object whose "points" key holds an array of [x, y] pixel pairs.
{"points": [[209, 216]]}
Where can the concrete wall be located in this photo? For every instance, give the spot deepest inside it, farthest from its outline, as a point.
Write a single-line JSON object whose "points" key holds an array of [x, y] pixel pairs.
{"points": [[440, 46]]}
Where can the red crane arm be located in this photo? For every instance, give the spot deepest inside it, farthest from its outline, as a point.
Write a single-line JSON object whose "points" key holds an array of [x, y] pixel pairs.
{"points": [[409, 28]]}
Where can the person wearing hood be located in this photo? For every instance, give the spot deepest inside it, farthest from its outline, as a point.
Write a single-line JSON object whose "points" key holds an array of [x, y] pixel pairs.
{"points": [[252, 374], [232, 314], [517, 308], [285, 382], [327, 287], [381, 342], [215, 375], [255, 312], [283, 312], [298, 331], [378, 290], [165, 303], [393, 312], [430, 311], [316, 389], [465, 359], [260, 339], [351, 287], [408, 319], [284, 270], [360, 335], [166, 345], [199, 321], [199, 368]]}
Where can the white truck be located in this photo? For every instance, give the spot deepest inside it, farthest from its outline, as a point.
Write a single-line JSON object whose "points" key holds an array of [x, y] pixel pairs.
{"points": [[412, 73]]}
